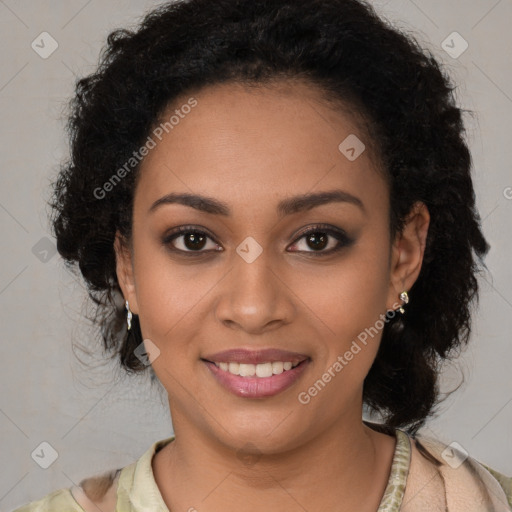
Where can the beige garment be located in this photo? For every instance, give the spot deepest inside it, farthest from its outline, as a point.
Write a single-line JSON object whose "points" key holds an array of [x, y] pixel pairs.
{"points": [[458, 484]]}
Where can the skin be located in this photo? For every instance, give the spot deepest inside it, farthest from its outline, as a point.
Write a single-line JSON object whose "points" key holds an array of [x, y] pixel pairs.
{"points": [[250, 149]]}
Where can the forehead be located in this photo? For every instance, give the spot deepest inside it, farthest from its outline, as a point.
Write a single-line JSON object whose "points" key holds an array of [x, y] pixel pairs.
{"points": [[257, 145]]}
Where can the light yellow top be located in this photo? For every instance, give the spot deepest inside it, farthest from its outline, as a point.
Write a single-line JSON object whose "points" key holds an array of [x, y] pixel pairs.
{"points": [[415, 484]]}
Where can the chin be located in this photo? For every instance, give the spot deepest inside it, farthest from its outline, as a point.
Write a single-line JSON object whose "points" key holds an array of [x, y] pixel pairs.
{"points": [[265, 432]]}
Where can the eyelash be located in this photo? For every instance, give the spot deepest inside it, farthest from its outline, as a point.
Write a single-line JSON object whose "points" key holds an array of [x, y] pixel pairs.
{"points": [[343, 239]]}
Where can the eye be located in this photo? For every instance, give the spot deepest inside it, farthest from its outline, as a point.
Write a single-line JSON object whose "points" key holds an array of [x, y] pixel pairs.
{"points": [[320, 237], [191, 240], [194, 241]]}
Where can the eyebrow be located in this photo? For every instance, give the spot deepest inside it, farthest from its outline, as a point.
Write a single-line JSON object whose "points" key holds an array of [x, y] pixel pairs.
{"points": [[285, 207]]}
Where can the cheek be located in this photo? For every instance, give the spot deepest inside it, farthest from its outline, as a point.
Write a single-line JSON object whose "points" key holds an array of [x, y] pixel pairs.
{"points": [[350, 301], [169, 296]]}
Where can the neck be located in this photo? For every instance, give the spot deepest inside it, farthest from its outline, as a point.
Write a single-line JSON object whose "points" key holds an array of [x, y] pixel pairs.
{"points": [[346, 465]]}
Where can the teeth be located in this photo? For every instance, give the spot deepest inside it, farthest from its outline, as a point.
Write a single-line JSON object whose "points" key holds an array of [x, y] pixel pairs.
{"points": [[277, 368], [264, 370], [258, 370], [246, 370]]}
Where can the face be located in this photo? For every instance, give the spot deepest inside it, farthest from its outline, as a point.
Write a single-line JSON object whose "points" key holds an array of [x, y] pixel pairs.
{"points": [[287, 259]]}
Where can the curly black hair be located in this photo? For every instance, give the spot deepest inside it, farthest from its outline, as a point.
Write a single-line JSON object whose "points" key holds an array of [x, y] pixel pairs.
{"points": [[354, 57]]}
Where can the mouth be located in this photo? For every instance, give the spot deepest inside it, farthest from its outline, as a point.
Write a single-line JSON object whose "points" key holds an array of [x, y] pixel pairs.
{"points": [[256, 374]]}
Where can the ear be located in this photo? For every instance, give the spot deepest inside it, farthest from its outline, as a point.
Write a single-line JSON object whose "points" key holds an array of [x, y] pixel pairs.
{"points": [[124, 271], [407, 253]]}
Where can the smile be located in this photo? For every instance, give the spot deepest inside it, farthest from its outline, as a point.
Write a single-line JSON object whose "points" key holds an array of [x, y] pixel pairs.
{"points": [[260, 380]]}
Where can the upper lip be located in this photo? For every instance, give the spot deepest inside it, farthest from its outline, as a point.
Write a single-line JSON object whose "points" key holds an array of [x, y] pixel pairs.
{"points": [[268, 355]]}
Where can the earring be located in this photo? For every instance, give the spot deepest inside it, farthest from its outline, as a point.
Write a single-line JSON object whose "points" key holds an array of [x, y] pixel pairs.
{"points": [[128, 316], [405, 298]]}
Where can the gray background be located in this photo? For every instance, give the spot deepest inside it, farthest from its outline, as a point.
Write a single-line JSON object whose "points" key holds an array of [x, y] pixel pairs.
{"points": [[98, 419]]}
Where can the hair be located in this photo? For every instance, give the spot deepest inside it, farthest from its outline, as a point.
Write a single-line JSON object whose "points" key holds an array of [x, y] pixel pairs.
{"points": [[354, 58]]}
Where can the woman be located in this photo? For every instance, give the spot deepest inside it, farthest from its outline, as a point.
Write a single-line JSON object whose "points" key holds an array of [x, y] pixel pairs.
{"points": [[280, 193]]}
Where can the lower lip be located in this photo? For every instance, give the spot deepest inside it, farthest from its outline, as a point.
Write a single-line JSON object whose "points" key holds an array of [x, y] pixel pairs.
{"points": [[257, 387]]}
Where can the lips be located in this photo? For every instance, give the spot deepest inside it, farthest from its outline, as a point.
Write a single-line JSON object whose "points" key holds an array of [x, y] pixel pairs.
{"points": [[245, 383]]}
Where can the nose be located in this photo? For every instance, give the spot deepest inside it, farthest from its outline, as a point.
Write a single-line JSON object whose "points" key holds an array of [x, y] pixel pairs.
{"points": [[254, 297]]}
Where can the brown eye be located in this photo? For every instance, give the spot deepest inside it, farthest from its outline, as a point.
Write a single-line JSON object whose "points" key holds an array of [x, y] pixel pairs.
{"points": [[320, 240], [317, 240], [189, 240], [194, 241]]}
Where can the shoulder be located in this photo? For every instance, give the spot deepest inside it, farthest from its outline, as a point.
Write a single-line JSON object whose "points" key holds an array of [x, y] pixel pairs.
{"points": [[104, 492], [93, 494], [444, 475], [98, 492]]}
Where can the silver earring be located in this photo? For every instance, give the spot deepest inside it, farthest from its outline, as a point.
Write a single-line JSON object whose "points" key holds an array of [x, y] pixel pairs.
{"points": [[128, 316], [405, 298]]}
